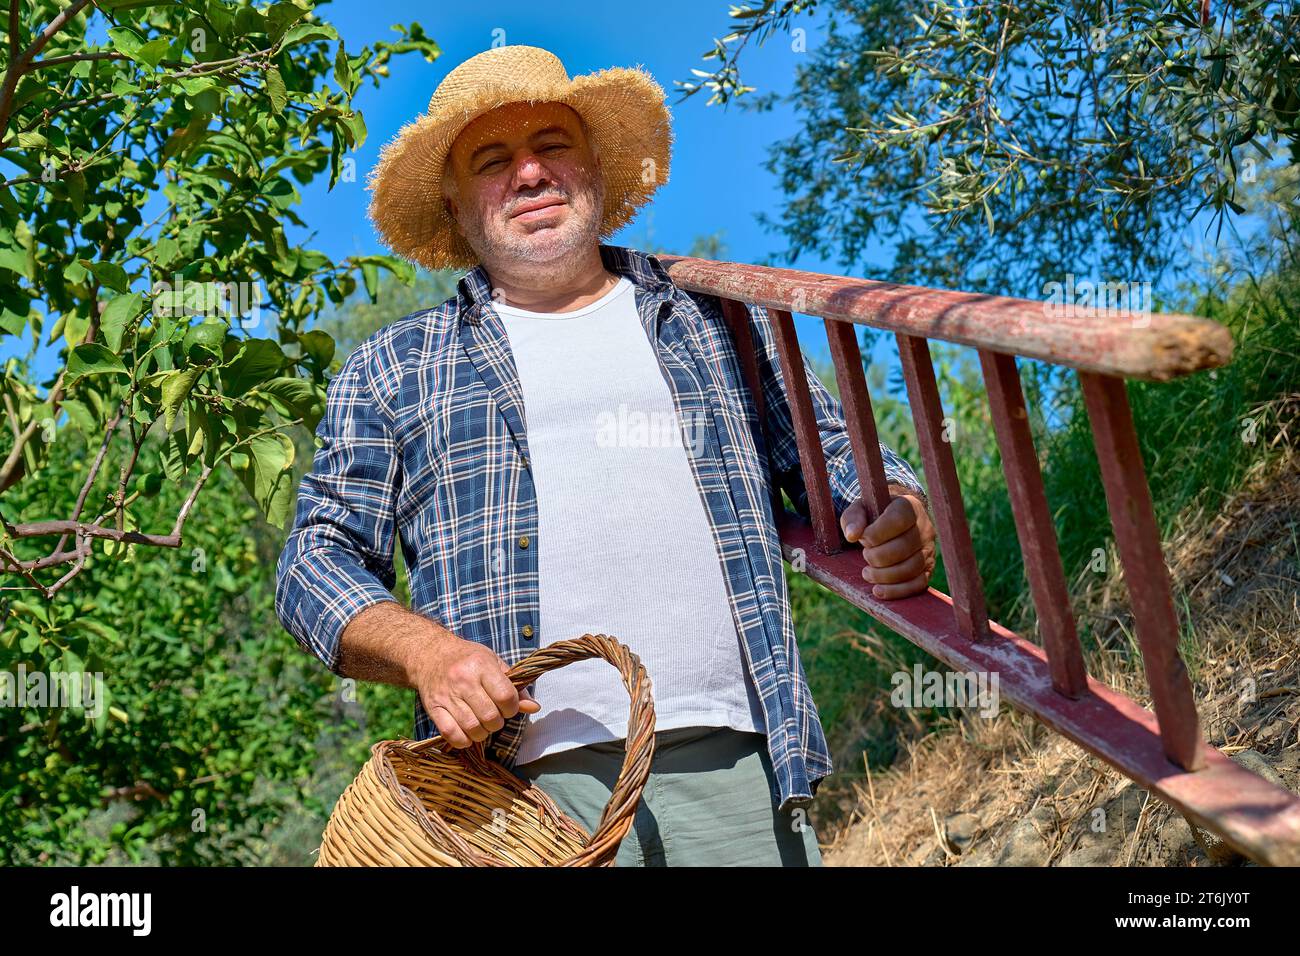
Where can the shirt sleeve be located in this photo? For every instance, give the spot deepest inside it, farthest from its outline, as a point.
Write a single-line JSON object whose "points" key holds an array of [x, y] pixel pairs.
{"points": [[783, 449], [338, 559]]}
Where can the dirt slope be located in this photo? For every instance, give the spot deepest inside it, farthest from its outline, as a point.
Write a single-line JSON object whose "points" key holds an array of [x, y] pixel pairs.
{"points": [[1006, 791]]}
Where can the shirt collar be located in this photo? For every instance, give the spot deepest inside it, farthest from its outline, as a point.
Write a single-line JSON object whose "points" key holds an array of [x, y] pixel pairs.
{"points": [[644, 270]]}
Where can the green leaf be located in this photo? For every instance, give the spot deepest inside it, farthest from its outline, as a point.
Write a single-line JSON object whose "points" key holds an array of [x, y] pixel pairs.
{"points": [[125, 41], [14, 259], [269, 477], [259, 360], [113, 320], [281, 192], [165, 251], [276, 90], [336, 156], [100, 718], [173, 458], [12, 322], [182, 139], [370, 273], [109, 274], [206, 101], [309, 31], [15, 308], [75, 326], [200, 429], [76, 183], [356, 124], [80, 416], [342, 68], [92, 359], [319, 345], [176, 388], [248, 20], [292, 397], [281, 16], [152, 52]]}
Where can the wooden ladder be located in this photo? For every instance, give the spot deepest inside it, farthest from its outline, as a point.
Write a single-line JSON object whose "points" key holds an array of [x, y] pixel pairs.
{"points": [[1162, 751]]}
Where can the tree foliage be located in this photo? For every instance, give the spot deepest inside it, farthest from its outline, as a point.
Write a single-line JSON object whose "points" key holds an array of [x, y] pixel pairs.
{"points": [[1001, 145], [201, 729], [157, 151]]}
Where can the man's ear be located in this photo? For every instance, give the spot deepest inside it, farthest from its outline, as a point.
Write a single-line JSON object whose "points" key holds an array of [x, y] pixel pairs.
{"points": [[450, 208]]}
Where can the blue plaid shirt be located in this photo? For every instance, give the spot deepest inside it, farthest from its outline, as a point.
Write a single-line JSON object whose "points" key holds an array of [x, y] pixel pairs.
{"points": [[423, 436]]}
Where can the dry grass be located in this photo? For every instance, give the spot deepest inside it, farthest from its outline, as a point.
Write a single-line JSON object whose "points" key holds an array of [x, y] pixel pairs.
{"points": [[1237, 585]]}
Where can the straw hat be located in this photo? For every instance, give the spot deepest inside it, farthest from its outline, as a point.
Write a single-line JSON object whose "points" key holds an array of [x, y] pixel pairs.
{"points": [[626, 120]]}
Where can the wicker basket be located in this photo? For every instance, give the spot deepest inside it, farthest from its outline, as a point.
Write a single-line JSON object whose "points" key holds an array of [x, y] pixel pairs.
{"points": [[425, 803]]}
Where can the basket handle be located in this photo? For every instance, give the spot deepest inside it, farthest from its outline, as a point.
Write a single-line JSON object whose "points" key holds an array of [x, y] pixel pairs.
{"points": [[621, 809]]}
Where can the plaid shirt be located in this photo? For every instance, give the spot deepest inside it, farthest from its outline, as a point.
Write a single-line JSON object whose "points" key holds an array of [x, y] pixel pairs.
{"points": [[423, 436]]}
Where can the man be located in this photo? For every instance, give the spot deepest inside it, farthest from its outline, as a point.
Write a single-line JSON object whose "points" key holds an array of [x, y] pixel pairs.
{"points": [[493, 434]]}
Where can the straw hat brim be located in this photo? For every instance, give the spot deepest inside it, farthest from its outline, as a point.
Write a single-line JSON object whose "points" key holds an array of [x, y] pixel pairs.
{"points": [[626, 119]]}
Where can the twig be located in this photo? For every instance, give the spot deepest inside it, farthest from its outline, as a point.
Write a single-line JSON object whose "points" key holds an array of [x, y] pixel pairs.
{"points": [[21, 63], [75, 57]]}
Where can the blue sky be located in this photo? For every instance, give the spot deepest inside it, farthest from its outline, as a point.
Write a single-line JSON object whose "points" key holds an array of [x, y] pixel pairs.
{"points": [[717, 180], [716, 183]]}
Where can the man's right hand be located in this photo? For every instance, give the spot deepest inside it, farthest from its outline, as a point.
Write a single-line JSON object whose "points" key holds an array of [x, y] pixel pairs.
{"points": [[465, 691]]}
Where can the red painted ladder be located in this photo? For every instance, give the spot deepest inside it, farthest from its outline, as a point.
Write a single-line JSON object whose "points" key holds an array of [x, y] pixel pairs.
{"points": [[1162, 751]]}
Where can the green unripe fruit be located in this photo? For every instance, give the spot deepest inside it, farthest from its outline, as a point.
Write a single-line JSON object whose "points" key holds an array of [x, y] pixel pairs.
{"points": [[205, 337], [149, 485]]}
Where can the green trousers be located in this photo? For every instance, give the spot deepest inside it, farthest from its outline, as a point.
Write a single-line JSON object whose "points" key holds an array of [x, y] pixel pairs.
{"points": [[708, 802]]}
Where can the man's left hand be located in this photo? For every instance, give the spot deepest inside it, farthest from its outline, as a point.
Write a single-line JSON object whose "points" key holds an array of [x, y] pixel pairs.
{"points": [[898, 546]]}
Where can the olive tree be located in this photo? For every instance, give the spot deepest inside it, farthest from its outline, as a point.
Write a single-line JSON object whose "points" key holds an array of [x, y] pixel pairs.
{"points": [[1001, 145]]}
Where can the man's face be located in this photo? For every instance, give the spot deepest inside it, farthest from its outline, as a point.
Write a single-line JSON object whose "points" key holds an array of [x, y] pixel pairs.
{"points": [[528, 187]]}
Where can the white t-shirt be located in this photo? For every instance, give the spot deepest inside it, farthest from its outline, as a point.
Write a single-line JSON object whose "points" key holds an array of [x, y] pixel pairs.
{"points": [[625, 545]]}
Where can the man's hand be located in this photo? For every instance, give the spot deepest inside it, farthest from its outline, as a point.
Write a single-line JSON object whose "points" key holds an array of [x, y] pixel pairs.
{"points": [[465, 691], [898, 546], [462, 684]]}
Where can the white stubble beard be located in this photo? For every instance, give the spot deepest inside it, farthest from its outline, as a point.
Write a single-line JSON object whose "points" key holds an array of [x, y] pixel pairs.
{"points": [[579, 232]]}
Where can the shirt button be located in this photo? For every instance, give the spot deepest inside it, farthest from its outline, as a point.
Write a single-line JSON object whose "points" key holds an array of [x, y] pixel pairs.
{"points": [[527, 630], [523, 541]]}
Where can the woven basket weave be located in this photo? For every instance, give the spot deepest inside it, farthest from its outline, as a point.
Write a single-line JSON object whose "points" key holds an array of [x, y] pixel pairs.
{"points": [[426, 803]]}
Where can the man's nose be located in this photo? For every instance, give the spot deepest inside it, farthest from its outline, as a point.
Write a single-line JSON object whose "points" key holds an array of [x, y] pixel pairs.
{"points": [[530, 172]]}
